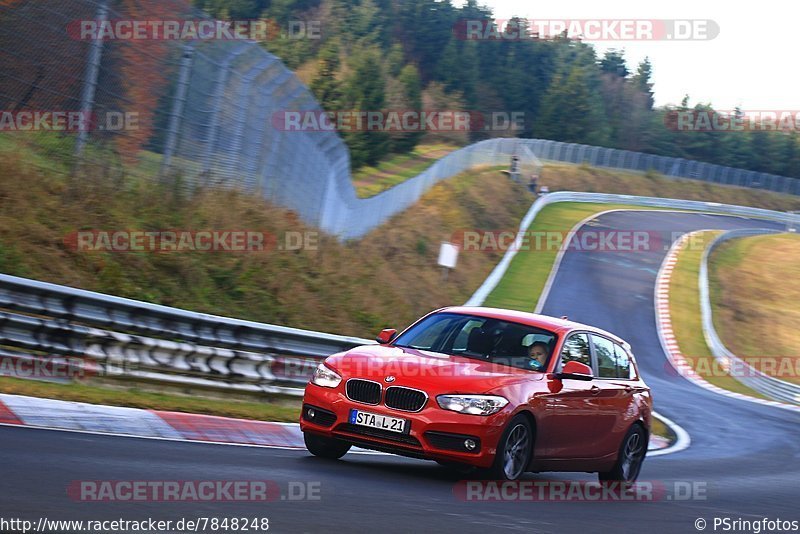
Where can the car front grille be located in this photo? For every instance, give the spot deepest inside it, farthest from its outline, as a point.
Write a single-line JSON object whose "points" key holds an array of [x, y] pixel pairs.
{"points": [[364, 391], [406, 399]]}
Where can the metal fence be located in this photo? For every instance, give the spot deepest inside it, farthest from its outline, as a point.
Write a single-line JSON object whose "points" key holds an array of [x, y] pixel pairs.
{"points": [[204, 115], [673, 167]]}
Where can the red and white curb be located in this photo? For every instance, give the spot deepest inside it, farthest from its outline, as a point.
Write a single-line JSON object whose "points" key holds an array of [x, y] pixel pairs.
{"points": [[134, 422], [667, 336], [81, 417]]}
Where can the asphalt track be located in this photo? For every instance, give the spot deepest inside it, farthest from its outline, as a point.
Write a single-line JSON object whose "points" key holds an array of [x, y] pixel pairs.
{"points": [[744, 456]]}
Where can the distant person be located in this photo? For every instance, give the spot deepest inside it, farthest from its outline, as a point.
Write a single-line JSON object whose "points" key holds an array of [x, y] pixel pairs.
{"points": [[533, 184]]}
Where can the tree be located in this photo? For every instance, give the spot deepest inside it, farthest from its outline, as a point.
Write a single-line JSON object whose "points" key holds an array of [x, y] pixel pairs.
{"points": [[572, 108], [365, 91], [411, 86], [325, 85], [642, 80], [613, 62]]}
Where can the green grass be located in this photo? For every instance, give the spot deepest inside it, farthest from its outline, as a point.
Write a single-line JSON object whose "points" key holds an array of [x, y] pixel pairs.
{"points": [[684, 307], [285, 411], [527, 274], [397, 168]]}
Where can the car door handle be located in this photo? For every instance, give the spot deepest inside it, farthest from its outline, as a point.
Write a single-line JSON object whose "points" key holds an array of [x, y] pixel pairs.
{"points": [[628, 389], [595, 390]]}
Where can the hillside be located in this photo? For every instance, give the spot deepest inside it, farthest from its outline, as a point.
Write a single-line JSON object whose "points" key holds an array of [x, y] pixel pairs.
{"points": [[387, 279]]}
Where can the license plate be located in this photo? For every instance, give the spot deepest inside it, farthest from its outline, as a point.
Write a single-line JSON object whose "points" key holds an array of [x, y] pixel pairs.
{"points": [[383, 422]]}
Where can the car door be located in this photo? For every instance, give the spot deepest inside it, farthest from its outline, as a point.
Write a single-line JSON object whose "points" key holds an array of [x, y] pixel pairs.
{"points": [[612, 397], [568, 428]]}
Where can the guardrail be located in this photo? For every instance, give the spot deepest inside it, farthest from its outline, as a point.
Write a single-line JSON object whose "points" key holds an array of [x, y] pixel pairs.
{"points": [[133, 339], [130, 339], [740, 369]]}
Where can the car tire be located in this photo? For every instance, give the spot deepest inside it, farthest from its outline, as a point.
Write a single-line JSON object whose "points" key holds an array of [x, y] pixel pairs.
{"points": [[330, 448], [514, 450], [631, 455]]}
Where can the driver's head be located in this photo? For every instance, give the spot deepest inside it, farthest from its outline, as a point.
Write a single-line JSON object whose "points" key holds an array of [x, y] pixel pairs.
{"points": [[538, 352]]}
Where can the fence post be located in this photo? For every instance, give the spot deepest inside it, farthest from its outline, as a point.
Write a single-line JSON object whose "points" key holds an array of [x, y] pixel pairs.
{"points": [[219, 91], [178, 102], [244, 110], [90, 79]]}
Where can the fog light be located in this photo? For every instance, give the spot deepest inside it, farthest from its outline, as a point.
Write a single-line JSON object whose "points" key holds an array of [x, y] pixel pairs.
{"points": [[311, 413], [469, 444]]}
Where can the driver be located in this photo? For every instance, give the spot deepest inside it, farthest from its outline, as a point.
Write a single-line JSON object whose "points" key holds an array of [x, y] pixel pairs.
{"points": [[538, 354]]}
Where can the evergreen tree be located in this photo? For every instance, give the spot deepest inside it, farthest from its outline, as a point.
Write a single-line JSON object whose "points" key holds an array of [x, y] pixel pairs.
{"points": [[613, 62], [642, 80], [572, 111], [325, 85], [365, 91]]}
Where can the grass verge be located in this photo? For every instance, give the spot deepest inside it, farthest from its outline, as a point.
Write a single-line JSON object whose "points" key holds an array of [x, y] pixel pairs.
{"points": [[684, 309], [288, 410], [565, 177], [397, 168], [755, 291], [658, 428]]}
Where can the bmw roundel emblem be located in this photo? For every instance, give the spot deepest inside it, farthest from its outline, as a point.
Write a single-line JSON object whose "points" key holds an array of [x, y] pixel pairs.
{"points": [[389, 379]]}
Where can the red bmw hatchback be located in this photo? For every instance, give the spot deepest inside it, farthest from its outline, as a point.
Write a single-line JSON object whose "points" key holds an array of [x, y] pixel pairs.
{"points": [[503, 390]]}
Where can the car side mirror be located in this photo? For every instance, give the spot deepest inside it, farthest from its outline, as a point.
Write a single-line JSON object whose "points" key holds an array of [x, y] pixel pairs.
{"points": [[386, 336], [575, 371]]}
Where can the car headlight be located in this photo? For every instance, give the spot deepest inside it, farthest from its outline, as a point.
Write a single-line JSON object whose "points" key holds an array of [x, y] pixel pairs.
{"points": [[472, 404], [324, 377]]}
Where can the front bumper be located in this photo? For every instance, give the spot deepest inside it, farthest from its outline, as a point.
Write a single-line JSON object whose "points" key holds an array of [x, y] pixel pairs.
{"points": [[434, 434]]}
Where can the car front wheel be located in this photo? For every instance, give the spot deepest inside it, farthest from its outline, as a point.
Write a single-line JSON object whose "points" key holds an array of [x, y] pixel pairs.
{"points": [[513, 450], [630, 458], [323, 447]]}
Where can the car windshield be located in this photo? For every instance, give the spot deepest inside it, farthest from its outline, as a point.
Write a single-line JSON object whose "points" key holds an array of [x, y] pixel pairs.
{"points": [[482, 338]]}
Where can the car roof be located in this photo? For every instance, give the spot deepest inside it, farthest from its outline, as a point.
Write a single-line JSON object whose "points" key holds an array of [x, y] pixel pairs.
{"points": [[554, 324]]}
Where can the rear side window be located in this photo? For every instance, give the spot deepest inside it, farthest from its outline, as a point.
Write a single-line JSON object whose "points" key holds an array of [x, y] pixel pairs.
{"points": [[576, 349], [606, 357], [623, 362]]}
